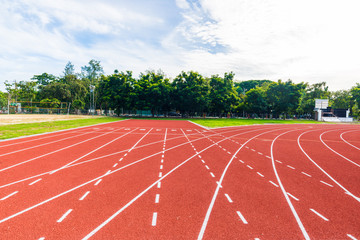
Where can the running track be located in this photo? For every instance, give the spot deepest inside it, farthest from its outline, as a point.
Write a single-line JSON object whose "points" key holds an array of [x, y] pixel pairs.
{"points": [[137, 179]]}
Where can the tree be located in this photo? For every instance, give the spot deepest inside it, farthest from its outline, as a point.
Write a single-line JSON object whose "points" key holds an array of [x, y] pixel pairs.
{"points": [[283, 97], [308, 96], [341, 99], [190, 93], [153, 92], [69, 69], [244, 86], [3, 100], [223, 96], [255, 101], [355, 96], [44, 79], [92, 72]]}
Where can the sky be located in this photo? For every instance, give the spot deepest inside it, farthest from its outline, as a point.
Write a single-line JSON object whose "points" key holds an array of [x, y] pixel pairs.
{"points": [[302, 40]]}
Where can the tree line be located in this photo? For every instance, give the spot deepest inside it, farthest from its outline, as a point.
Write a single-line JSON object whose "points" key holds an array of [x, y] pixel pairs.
{"points": [[189, 93]]}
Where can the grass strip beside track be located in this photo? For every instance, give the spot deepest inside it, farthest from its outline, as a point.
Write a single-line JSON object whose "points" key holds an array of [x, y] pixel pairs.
{"points": [[24, 129]]}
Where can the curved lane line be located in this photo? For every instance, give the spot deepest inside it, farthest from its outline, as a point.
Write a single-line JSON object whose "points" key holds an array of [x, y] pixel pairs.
{"points": [[207, 216], [336, 151], [297, 218], [328, 175], [347, 141]]}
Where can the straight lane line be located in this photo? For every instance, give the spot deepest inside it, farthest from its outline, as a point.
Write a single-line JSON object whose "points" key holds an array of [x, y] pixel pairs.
{"points": [[84, 196], [64, 216], [11, 194], [241, 217], [34, 181], [319, 214]]}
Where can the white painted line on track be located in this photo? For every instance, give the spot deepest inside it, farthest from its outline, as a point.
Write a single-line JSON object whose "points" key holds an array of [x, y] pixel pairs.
{"points": [[11, 194], [202, 161], [241, 161], [42, 238], [273, 183], [290, 167], [108, 172], [296, 216], [350, 236], [293, 196], [326, 183], [347, 159], [84, 196], [154, 218], [347, 141], [98, 181], [121, 159], [159, 185], [319, 214], [241, 217], [260, 153], [64, 216], [212, 174], [278, 161], [161, 166], [228, 198], [115, 165], [34, 181], [160, 174], [219, 184], [157, 198], [337, 183], [306, 174], [253, 150], [268, 157], [250, 167], [199, 156], [260, 174], [207, 167], [229, 152], [162, 161], [125, 154]]}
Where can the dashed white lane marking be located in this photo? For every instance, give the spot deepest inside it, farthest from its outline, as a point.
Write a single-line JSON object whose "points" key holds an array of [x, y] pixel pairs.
{"points": [[42, 238], [207, 167], [153, 222], [34, 182], [268, 156], [306, 174], [241, 217], [273, 183], [160, 174], [229, 152], [278, 161], [241, 161], [159, 185], [253, 150], [212, 174], [290, 167], [218, 184], [98, 181], [326, 183], [202, 161], [120, 159], [115, 165], [64, 216], [157, 198], [319, 214], [11, 194], [260, 174], [350, 236], [293, 196], [84, 196], [199, 156], [108, 172], [249, 167], [228, 198], [162, 161], [161, 166], [260, 153], [125, 154]]}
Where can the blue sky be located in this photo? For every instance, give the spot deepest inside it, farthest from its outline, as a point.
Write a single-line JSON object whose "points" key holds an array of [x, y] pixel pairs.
{"points": [[305, 40]]}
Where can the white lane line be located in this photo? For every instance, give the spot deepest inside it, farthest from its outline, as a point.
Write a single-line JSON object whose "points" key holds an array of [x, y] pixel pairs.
{"points": [[34, 182], [161, 166], [162, 161], [64, 216], [125, 154], [42, 238], [241, 217], [268, 157], [228, 198], [260, 153], [278, 161], [273, 183], [115, 165], [241, 161], [337, 183], [290, 167], [199, 156], [249, 167], [84, 196], [341, 136], [11, 194], [319, 214], [157, 198], [160, 174], [207, 167], [154, 218], [229, 152], [253, 150], [350, 236], [159, 185], [202, 161], [293, 196], [212, 174], [218, 183], [98, 181], [108, 172], [306, 174], [121, 159], [260, 174], [326, 183]]}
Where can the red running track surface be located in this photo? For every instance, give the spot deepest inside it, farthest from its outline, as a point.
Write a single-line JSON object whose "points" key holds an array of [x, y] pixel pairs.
{"points": [[152, 179]]}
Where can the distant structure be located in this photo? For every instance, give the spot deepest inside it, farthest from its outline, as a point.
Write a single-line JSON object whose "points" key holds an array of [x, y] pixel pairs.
{"points": [[327, 114]]}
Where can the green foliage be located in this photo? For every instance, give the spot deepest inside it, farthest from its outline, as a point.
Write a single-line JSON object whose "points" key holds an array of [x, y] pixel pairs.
{"points": [[244, 86], [50, 103], [255, 101], [340, 99], [44, 79], [355, 96], [190, 93], [3, 100], [308, 96]]}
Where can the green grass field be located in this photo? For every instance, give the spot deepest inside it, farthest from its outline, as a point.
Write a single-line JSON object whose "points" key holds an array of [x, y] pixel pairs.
{"points": [[24, 129]]}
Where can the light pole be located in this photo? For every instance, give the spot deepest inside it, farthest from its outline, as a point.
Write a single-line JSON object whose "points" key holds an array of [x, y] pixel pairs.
{"points": [[92, 103]]}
